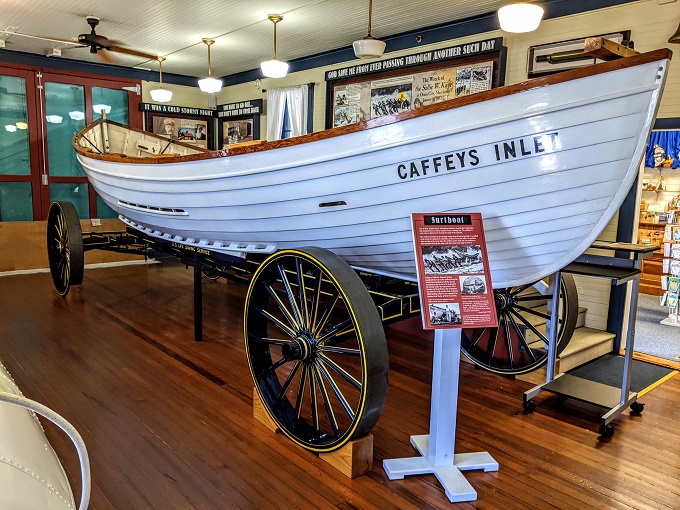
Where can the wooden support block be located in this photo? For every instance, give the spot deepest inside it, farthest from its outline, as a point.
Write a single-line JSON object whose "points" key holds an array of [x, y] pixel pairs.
{"points": [[605, 49], [260, 413], [353, 459], [75, 294]]}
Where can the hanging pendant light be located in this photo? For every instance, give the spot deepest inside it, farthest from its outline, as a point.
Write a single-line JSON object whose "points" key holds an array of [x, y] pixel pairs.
{"points": [[675, 38], [369, 46], [210, 84], [520, 17], [161, 95], [274, 68]]}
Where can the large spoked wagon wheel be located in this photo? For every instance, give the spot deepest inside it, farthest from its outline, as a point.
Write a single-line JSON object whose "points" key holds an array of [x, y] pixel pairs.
{"points": [[65, 246], [316, 348], [520, 342]]}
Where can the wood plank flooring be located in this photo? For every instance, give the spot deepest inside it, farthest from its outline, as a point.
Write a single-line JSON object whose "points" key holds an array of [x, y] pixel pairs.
{"points": [[168, 421]]}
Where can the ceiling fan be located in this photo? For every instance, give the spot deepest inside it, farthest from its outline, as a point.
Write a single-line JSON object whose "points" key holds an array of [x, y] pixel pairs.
{"points": [[97, 43]]}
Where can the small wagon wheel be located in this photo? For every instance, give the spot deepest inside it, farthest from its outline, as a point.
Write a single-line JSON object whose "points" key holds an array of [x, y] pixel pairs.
{"points": [[210, 273], [65, 246], [316, 348], [520, 343]]}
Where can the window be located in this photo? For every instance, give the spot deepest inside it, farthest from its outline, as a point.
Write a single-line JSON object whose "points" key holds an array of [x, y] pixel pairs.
{"points": [[287, 129]]}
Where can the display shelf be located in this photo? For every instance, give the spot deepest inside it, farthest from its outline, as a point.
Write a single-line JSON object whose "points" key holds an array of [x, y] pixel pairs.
{"points": [[655, 206], [665, 177], [670, 280], [651, 234]]}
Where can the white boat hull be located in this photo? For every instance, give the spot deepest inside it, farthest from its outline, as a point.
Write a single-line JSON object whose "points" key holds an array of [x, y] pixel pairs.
{"points": [[577, 145]]}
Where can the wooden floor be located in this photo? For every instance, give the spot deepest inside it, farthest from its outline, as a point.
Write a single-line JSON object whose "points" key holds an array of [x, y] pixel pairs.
{"points": [[168, 422]]}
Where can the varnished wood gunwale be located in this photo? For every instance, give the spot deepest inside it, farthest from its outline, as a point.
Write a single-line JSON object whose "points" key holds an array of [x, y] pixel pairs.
{"points": [[459, 102]]}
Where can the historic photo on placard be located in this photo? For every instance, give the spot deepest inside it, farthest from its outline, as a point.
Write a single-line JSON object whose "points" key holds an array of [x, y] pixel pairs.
{"points": [[473, 284], [445, 313], [452, 259]]}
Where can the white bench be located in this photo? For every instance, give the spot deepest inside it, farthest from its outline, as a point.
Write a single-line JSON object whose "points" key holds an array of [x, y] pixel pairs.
{"points": [[31, 476]]}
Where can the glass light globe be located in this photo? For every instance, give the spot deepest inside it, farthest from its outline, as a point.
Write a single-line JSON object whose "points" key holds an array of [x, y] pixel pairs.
{"points": [[161, 95], [520, 17], [368, 47], [210, 85], [274, 68]]}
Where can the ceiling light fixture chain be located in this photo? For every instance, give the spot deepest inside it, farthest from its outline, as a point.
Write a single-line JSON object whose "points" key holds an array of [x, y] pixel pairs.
{"points": [[369, 46], [275, 18], [160, 70], [209, 84], [160, 95], [274, 68], [209, 42]]}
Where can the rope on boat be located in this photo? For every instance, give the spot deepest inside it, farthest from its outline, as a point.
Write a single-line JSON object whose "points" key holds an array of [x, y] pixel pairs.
{"points": [[70, 430], [164, 148], [93, 145]]}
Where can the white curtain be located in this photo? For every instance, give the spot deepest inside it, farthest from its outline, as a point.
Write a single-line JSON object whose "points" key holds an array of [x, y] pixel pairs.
{"points": [[296, 97]]}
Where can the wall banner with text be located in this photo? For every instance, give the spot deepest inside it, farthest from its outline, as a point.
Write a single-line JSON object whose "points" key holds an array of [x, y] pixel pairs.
{"points": [[454, 279]]}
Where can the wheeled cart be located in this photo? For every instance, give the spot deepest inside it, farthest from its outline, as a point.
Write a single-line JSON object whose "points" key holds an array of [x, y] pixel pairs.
{"points": [[314, 327], [621, 268]]}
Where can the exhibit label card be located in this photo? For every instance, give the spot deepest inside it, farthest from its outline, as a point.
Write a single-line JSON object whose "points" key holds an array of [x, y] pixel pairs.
{"points": [[454, 280]]}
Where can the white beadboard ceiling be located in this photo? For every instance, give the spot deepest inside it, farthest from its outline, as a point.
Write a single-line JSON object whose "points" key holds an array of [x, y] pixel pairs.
{"points": [[243, 34]]}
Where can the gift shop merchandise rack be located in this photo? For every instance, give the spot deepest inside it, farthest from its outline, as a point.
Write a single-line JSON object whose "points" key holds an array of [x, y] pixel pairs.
{"points": [[670, 281], [659, 222]]}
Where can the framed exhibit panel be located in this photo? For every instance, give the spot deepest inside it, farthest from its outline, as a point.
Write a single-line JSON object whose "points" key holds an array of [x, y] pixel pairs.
{"points": [[181, 123], [387, 87], [563, 55], [239, 122]]}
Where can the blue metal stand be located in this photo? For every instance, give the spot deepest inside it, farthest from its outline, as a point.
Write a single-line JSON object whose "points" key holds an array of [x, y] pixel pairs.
{"points": [[437, 448]]}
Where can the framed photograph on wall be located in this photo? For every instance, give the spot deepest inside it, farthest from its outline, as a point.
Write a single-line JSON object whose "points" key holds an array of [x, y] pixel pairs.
{"points": [[239, 122], [392, 93], [391, 86], [563, 55], [238, 131], [193, 131]]}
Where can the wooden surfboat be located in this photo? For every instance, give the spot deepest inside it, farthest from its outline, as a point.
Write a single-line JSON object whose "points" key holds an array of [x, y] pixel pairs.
{"points": [[547, 162]]}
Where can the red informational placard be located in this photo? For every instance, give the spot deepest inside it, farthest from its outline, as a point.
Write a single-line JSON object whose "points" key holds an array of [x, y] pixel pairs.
{"points": [[453, 271]]}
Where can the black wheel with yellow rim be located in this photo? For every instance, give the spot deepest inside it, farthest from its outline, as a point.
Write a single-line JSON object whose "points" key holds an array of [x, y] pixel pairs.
{"points": [[65, 246], [316, 348], [520, 342]]}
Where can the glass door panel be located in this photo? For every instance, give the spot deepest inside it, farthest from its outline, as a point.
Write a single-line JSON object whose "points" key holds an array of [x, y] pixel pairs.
{"points": [[16, 201], [113, 101], [65, 115], [76, 193], [104, 211], [14, 139]]}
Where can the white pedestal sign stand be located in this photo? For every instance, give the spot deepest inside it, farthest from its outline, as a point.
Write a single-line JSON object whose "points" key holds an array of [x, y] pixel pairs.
{"points": [[454, 285], [437, 448]]}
